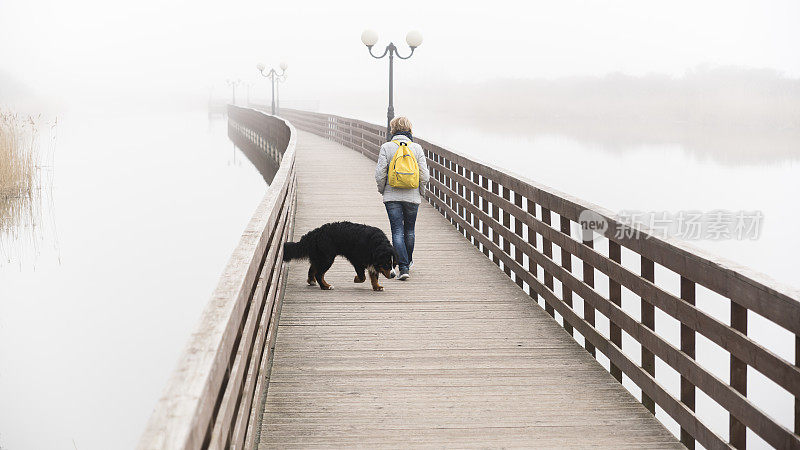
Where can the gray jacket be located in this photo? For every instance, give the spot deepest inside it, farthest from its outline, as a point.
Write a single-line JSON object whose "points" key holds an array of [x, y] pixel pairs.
{"points": [[392, 194]]}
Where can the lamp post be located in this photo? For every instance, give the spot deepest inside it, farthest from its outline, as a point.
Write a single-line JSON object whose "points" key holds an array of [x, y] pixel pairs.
{"points": [[274, 76], [233, 84], [414, 40]]}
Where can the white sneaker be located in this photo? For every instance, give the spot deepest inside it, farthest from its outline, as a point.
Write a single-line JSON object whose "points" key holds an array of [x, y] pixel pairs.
{"points": [[410, 266]]}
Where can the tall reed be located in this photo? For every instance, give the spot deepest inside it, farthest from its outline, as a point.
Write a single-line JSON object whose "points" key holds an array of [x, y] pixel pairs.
{"points": [[20, 176]]}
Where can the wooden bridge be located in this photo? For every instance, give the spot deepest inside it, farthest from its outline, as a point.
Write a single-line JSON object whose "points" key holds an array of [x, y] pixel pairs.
{"points": [[510, 332]]}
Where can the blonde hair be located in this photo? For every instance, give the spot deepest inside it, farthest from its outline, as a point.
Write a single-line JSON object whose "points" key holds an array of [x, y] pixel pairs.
{"points": [[399, 125]]}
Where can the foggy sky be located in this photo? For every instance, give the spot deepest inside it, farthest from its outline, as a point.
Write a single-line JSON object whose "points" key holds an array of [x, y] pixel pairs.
{"points": [[177, 50]]}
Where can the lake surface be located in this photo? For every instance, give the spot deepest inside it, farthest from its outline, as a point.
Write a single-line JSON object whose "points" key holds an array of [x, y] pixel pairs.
{"points": [[147, 209], [94, 312]]}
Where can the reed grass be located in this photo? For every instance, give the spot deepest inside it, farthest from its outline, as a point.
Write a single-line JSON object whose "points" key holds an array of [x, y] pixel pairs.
{"points": [[20, 178], [18, 155]]}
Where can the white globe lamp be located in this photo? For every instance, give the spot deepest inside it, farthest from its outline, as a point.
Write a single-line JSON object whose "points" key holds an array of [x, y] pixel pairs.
{"points": [[369, 37], [414, 39]]}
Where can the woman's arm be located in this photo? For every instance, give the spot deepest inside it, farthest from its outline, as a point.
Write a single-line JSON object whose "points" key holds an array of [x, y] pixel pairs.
{"points": [[381, 170], [424, 173]]}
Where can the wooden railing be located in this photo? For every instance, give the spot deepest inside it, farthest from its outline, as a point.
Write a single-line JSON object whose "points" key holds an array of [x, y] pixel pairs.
{"points": [[527, 230], [220, 378]]}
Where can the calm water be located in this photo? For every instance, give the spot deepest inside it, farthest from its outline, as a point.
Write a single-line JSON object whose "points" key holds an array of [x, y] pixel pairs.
{"points": [[146, 210]]}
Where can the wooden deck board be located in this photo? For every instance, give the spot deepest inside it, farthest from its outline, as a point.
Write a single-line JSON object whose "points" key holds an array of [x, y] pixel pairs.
{"points": [[459, 355]]}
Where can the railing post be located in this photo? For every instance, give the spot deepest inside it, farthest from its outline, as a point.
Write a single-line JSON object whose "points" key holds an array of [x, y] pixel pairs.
{"points": [[438, 192], [566, 263], [496, 217], [473, 200], [518, 231], [433, 177], [446, 197], [459, 197], [615, 295], [649, 321], [485, 209], [454, 194], [738, 432], [588, 311], [507, 225], [688, 347], [547, 247], [797, 398], [532, 267]]}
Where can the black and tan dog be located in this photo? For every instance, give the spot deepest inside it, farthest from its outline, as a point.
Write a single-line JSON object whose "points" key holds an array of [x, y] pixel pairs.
{"points": [[366, 247]]}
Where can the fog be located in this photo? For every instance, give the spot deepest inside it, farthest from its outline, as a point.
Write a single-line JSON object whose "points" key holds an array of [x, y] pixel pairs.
{"points": [[626, 104], [158, 53], [721, 113], [714, 77]]}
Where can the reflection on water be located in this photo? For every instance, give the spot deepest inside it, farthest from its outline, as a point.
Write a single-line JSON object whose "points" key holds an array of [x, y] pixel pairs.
{"points": [[723, 144], [266, 162], [149, 209]]}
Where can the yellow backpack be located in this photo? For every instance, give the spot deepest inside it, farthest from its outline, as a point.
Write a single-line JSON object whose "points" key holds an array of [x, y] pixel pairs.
{"points": [[403, 170]]}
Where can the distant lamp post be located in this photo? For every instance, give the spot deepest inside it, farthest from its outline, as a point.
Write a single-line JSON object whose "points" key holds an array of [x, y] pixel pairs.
{"points": [[233, 84], [275, 77], [414, 40]]}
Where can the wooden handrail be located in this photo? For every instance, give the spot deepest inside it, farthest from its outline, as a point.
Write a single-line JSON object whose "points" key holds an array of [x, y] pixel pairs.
{"points": [[209, 398], [509, 218]]}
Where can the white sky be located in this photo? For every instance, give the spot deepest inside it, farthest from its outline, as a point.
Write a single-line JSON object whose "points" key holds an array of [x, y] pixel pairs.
{"points": [[80, 48]]}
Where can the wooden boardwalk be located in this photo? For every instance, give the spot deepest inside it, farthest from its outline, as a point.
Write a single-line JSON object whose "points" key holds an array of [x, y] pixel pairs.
{"points": [[459, 355]]}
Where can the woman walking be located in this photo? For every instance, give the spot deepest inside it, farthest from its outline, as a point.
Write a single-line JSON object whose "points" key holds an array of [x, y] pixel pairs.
{"points": [[400, 196]]}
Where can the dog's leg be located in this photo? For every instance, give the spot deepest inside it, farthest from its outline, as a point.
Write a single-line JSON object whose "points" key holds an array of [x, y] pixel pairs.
{"points": [[311, 272], [373, 278], [324, 284], [320, 275], [360, 277]]}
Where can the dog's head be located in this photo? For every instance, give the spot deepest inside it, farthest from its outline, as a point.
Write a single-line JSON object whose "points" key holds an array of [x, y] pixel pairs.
{"points": [[384, 259]]}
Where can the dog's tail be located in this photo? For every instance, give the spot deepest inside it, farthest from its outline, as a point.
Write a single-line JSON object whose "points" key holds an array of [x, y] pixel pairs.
{"points": [[294, 250]]}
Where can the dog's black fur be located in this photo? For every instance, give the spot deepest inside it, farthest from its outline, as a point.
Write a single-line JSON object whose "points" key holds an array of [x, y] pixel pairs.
{"points": [[366, 247]]}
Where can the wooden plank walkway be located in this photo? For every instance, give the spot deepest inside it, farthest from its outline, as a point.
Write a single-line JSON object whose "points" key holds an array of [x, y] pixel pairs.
{"points": [[457, 356]]}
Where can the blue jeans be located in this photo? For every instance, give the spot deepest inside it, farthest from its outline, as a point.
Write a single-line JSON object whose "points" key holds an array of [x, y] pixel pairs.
{"points": [[402, 216]]}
